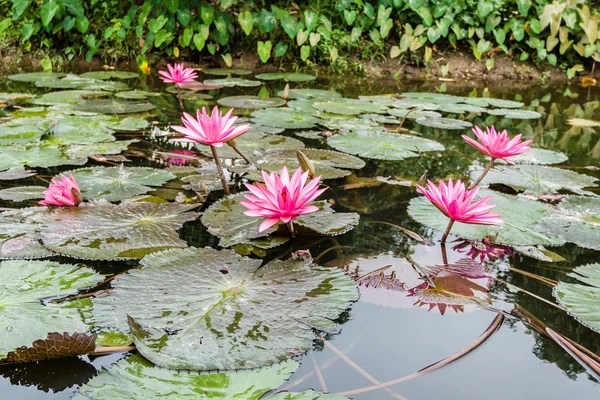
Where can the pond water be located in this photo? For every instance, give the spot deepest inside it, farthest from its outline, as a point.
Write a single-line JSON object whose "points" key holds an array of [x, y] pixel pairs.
{"points": [[400, 325]]}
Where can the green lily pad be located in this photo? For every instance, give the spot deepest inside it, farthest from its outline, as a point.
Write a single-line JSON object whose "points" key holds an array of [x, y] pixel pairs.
{"points": [[515, 114], [414, 114], [118, 183], [226, 71], [68, 130], [136, 94], [381, 145], [22, 130], [502, 103], [577, 221], [109, 75], [462, 108], [22, 193], [437, 98], [311, 94], [18, 237], [24, 285], [16, 173], [251, 102], [349, 107], [304, 106], [68, 97], [226, 220], [286, 118], [540, 156], [8, 97], [520, 217], [444, 123], [328, 164], [78, 152], [219, 310], [135, 377], [582, 301], [105, 231], [113, 107], [129, 124], [36, 76], [537, 179], [76, 82], [285, 76], [43, 157], [231, 82], [255, 145], [417, 104]]}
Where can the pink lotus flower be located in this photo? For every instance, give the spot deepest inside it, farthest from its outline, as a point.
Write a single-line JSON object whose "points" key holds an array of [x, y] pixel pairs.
{"points": [[282, 198], [497, 145], [62, 192], [174, 160], [484, 249], [213, 130], [454, 200], [178, 74]]}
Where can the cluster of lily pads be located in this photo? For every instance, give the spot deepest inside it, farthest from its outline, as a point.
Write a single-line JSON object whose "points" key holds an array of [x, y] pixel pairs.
{"points": [[203, 309]]}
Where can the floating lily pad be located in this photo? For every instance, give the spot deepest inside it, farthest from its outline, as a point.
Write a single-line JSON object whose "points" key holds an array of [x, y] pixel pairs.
{"points": [[328, 164], [109, 75], [577, 221], [255, 145], [382, 145], [247, 315], [136, 378], [417, 104], [437, 98], [285, 76], [539, 253], [327, 222], [43, 157], [284, 118], [69, 130], [136, 94], [349, 107], [76, 82], [129, 124], [582, 300], [16, 173], [68, 97], [499, 102], [540, 156], [414, 114], [251, 102], [444, 123], [105, 231], [231, 82], [462, 108], [24, 285], [113, 107], [22, 130], [537, 179], [7, 97], [118, 183], [226, 71], [311, 94], [515, 114], [77, 152], [304, 106], [36, 76], [381, 119], [18, 237], [520, 217], [22, 193]]}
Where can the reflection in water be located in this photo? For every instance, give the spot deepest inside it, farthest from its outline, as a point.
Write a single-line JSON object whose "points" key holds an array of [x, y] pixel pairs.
{"points": [[484, 249]]}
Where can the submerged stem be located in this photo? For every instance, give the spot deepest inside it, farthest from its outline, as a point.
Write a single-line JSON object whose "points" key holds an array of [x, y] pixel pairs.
{"points": [[483, 174], [213, 149], [179, 98], [447, 231], [290, 226]]}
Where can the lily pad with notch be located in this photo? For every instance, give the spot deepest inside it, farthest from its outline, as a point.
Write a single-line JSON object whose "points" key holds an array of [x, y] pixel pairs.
{"points": [[24, 285], [286, 118], [537, 179], [520, 217], [43, 157], [105, 231], [80, 152], [16, 173], [253, 102], [246, 315], [382, 145], [444, 123], [582, 299], [113, 107], [134, 377], [22, 193], [285, 76]]}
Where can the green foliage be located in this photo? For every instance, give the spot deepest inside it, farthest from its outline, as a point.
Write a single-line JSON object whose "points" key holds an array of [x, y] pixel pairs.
{"points": [[311, 31]]}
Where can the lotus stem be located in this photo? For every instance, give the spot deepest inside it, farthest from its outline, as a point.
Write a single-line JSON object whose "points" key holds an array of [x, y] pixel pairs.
{"points": [[444, 254], [447, 231], [179, 98], [235, 147], [483, 174], [290, 226], [213, 149]]}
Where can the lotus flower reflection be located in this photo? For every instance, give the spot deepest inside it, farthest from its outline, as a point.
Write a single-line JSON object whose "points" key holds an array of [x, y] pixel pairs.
{"points": [[63, 191], [281, 198], [178, 74], [456, 203]]}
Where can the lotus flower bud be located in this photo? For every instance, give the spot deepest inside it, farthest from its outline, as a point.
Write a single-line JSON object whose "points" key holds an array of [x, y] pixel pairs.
{"points": [[286, 92], [306, 164]]}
